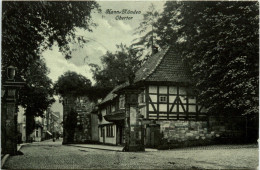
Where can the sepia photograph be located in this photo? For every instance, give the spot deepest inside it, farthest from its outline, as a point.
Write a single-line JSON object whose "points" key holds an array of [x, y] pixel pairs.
{"points": [[129, 84]]}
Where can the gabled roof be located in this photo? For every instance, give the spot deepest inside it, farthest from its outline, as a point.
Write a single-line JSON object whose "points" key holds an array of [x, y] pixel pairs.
{"points": [[164, 66], [149, 66], [111, 95]]}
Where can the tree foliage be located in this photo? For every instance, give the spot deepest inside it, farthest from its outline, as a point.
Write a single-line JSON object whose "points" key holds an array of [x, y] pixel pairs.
{"points": [[37, 95], [220, 41], [28, 28], [147, 30], [71, 83], [116, 67]]}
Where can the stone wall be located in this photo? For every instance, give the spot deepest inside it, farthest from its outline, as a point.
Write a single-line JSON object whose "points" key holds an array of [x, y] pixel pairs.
{"points": [[69, 104], [83, 130], [186, 133], [82, 106], [193, 133]]}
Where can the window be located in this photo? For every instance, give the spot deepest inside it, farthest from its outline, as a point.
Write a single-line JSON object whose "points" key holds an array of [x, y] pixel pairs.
{"points": [[122, 102], [113, 108], [37, 133], [163, 99], [142, 97], [110, 131], [108, 109], [101, 132]]}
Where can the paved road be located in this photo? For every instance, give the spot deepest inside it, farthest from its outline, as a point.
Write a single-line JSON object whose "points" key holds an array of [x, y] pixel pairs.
{"points": [[53, 155]]}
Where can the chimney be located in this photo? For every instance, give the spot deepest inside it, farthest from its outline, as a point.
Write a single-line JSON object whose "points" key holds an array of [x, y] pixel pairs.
{"points": [[155, 50], [131, 78]]}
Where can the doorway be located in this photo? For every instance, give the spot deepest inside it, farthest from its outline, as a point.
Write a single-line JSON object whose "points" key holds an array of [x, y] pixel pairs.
{"points": [[103, 134], [153, 136]]}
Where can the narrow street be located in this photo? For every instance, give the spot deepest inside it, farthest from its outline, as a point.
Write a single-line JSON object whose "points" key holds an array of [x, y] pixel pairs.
{"points": [[53, 155]]}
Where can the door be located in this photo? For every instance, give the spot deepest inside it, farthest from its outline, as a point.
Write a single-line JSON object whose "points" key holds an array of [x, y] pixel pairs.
{"points": [[119, 135], [103, 134], [153, 136]]}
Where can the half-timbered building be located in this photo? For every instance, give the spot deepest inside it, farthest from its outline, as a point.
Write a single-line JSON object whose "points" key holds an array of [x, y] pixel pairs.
{"points": [[167, 105], [111, 111]]}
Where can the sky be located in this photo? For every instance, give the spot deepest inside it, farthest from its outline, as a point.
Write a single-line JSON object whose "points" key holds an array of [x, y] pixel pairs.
{"points": [[112, 29]]}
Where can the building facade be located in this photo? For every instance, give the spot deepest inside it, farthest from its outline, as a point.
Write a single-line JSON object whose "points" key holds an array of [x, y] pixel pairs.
{"points": [[46, 125], [55, 124], [166, 108], [21, 125], [37, 134], [111, 119]]}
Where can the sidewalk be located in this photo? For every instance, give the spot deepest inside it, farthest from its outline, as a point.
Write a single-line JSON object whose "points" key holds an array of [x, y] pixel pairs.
{"points": [[106, 147], [6, 156]]}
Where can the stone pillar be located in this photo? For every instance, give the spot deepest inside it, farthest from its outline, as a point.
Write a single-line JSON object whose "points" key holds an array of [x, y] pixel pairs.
{"points": [[133, 123], [69, 104], [9, 128]]}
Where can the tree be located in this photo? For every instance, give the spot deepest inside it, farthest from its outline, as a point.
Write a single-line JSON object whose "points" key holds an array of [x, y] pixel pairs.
{"points": [[147, 30], [70, 86], [76, 85], [28, 28], [71, 83], [220, 42], [117, 67], [167, 25], [37, 95]]}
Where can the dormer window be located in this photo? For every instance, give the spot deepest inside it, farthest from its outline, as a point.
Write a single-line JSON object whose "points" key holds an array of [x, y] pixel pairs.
{"points": [[121, 102], [108, 110]]}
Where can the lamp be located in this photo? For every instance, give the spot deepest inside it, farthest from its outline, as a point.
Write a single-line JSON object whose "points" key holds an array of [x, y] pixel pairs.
{"points": [[11, 72]]}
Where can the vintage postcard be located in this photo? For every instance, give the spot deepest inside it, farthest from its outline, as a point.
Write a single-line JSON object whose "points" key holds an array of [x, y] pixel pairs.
{"points": [[129, 84]]}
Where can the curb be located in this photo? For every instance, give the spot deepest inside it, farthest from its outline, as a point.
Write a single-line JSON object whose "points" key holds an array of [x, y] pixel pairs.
{"points": [[95, 148], [4, 160], [147, 150], [7, 156]]}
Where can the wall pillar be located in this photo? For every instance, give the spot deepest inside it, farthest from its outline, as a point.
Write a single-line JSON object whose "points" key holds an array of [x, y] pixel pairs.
{"points": [[69, 104], [9, 128], [133, 123]]}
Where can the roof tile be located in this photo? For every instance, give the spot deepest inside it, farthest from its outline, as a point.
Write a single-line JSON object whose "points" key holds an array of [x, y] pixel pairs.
{"points": [[166, 65]]}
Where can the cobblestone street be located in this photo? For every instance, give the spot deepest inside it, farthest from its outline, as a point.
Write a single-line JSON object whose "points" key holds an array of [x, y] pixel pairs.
{"points": [[53, 155]]}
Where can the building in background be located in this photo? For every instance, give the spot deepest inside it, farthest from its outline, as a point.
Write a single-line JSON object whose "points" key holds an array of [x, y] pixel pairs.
{"points": [[21, 125], [111, 115], [94, 125], [38, 131], [46, 125], [52, 125], [55, 124]]}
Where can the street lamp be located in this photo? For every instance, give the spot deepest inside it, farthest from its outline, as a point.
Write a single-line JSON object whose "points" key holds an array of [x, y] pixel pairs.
{"points": [[8, 112], [11, 73]]}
